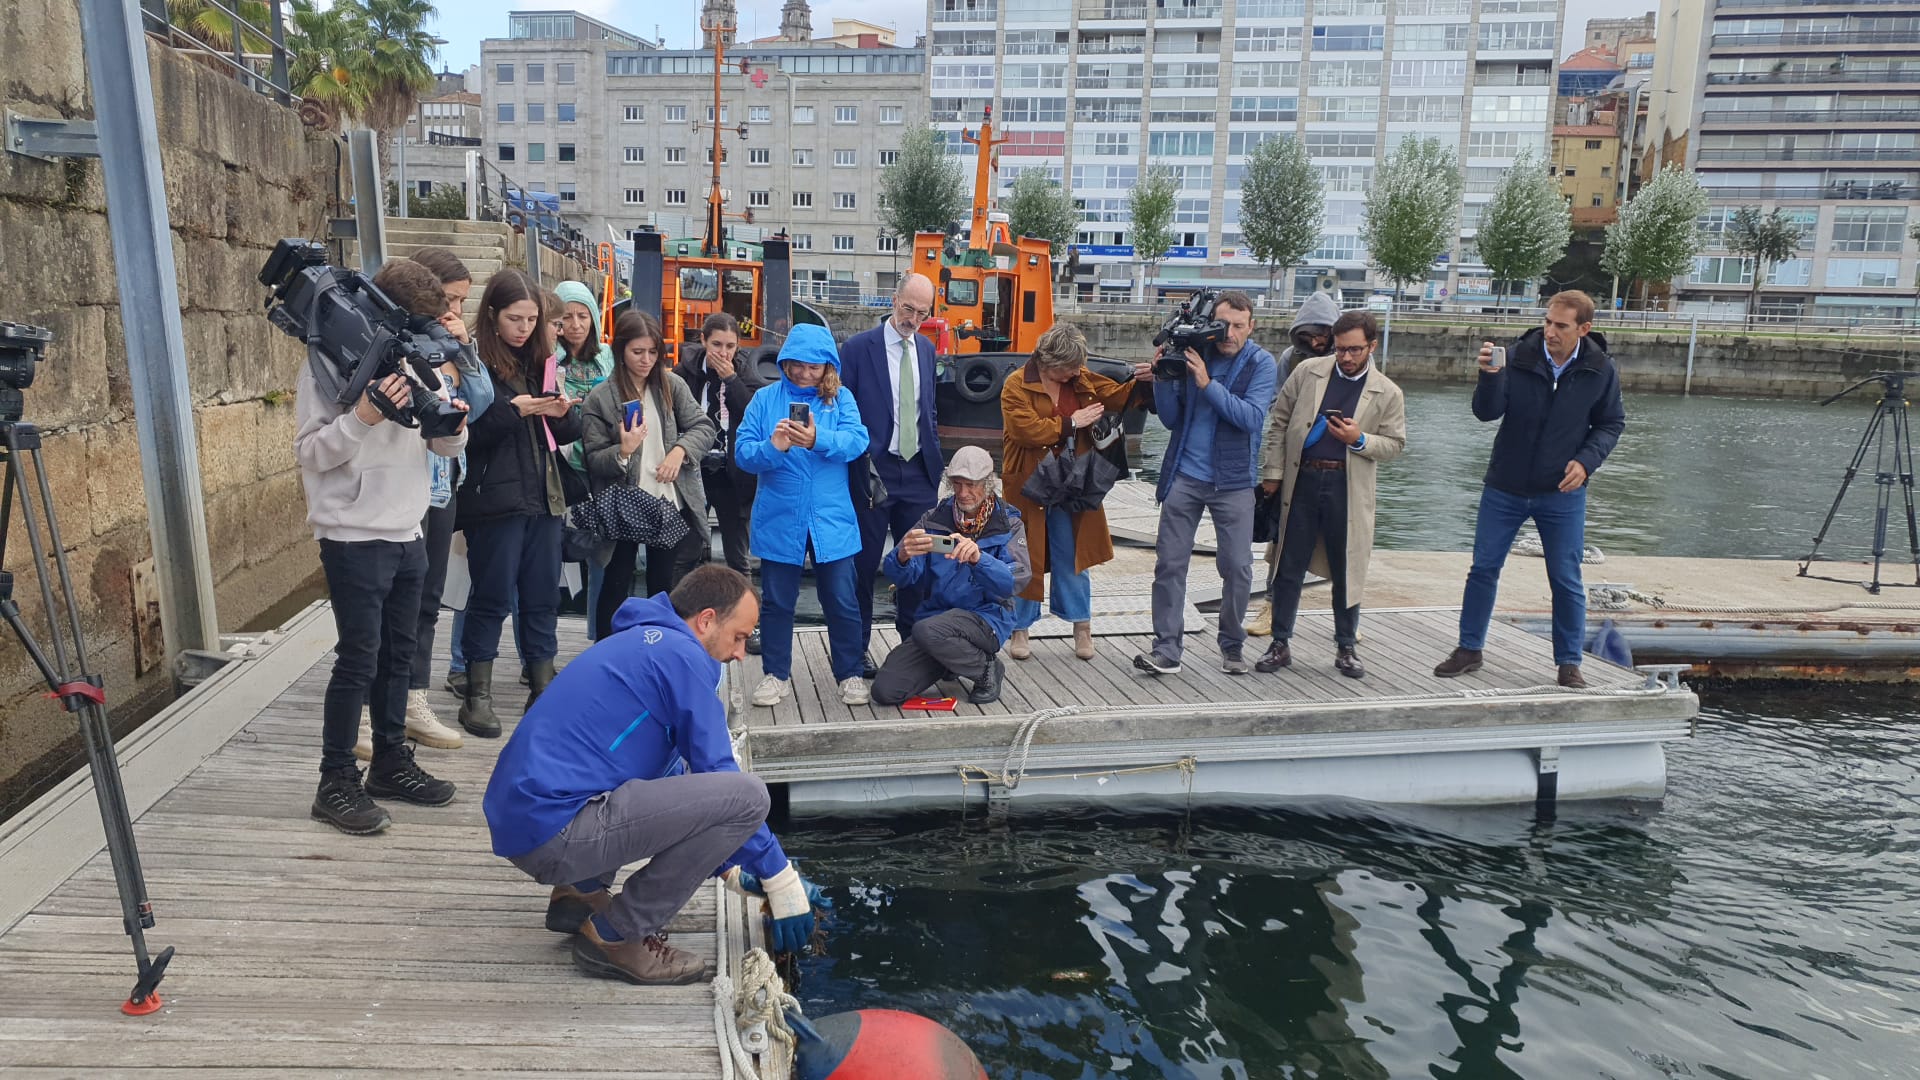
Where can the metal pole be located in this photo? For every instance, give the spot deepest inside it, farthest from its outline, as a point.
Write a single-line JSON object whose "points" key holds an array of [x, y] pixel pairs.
{"points": [[473, 185], [116, 53], [1693, 339], [369, 201], [533, 254], [281, 81]]}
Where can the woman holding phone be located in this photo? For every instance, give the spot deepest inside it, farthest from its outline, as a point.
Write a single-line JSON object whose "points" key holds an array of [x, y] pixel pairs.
{"points": [[644, 429], [509, 503], [798, 437]]}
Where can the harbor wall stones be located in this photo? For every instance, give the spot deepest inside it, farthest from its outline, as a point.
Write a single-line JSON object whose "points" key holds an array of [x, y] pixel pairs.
{"points": [[240, 174], [1726, 361]]}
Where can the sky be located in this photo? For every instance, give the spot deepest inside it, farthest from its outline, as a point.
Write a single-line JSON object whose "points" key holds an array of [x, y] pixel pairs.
{"points": [[677, 20]]}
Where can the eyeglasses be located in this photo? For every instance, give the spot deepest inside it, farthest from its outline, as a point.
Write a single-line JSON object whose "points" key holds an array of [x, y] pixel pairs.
{"points": [[1352, 350], [918, 313]]}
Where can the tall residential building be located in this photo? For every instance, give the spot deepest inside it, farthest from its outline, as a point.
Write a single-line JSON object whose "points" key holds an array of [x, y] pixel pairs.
{"points": [[1096, 91], [622, 131], [1612, 34], [1812, 108]]}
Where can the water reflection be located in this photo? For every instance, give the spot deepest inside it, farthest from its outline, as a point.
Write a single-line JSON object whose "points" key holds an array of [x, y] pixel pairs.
{"points": [[1700, 476], [1759, 924]]}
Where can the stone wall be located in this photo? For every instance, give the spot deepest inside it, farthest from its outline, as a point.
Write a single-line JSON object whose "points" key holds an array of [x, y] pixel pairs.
{"points": [[240, 173], [1726, 361]]}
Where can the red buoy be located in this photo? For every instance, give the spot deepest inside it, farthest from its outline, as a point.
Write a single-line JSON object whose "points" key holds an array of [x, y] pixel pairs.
{"points": [[881, 1044]]}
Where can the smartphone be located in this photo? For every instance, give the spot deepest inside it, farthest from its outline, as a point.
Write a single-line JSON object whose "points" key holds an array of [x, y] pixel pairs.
{"points": [[945, 542], [634, 413], [1499, 358], [1332, 414], [799, 413]]}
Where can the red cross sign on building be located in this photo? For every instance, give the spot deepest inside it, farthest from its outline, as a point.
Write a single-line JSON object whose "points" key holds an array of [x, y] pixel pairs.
{"points": [[758, 78]]}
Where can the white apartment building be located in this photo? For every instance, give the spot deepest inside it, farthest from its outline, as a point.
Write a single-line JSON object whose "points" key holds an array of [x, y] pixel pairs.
{"points": [[622, 131], [1096, 91]]}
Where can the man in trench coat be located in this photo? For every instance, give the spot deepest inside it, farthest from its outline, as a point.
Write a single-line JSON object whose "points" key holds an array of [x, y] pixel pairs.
{"points": [[1336, 420]]}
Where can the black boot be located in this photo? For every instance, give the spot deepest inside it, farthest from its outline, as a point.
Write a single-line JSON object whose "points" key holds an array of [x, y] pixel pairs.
{"points": [[539, 677], [476, 714], [986, 688], [395, 776], [342, 803]]}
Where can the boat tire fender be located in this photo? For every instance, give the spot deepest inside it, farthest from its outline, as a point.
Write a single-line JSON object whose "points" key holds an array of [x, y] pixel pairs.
{"points": [[977, 379]]}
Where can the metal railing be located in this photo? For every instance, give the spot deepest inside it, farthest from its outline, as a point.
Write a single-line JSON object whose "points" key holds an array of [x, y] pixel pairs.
{"points": [[1844, 190], [499, 197], [1855, 75], [1816, 38], [1812, 155], [273, 82], [1807, 116]]}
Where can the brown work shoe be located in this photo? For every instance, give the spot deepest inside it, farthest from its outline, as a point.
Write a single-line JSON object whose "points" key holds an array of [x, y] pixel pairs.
{"points": [[568, 907], [647, 961], [1570, 677], [1278, 655], [1462, 662]]}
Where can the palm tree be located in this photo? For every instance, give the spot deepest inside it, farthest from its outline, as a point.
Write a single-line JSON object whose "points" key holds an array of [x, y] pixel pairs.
{"points": [[327, 46], [394, 64], [215, 27]]}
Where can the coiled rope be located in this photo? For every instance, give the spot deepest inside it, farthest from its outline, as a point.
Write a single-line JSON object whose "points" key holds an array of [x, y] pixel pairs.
{"points": [[759, 996]]}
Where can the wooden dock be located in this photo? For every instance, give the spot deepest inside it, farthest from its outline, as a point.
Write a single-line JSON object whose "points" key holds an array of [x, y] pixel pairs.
{"points": [[305, 952]]}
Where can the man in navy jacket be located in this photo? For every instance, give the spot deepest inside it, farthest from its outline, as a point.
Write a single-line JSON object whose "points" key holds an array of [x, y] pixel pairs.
{"points": [[1558, 402], [889, 369], [627, 757]]}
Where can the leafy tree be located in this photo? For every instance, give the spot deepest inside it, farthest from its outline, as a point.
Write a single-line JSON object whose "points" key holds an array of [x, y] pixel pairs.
{"points": [[1039, 207], [925, 190], [1412, 209], [445, 201], [1281, 205], [1150, 205], [1657, 234], [1526, 227], [1766, 239]]}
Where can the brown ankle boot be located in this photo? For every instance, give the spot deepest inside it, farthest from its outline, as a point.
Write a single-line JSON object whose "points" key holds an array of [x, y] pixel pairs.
{"points": [[568, 907], [1083, 640], [647, 961], [1017, 646]]}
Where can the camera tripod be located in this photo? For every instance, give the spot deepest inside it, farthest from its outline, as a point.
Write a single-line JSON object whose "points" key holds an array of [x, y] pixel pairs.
{"points": [[79, 691], [1892, 465]]}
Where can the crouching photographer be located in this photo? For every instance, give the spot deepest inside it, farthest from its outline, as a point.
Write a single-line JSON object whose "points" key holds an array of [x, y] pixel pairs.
{"points": [[1211, 387], [369, 392]]}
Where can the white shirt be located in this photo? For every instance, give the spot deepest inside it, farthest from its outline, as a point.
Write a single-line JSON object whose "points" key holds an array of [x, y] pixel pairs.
{"points": [[892, 337]]}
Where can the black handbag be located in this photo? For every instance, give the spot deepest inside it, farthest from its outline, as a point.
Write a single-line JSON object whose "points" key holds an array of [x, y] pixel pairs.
{"points": [[1069, 480], [574, 488], [1266, 516]]}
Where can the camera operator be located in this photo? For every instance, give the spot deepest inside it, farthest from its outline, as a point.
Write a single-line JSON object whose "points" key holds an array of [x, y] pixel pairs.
{"points": [[1216, 412], [366, 483]]}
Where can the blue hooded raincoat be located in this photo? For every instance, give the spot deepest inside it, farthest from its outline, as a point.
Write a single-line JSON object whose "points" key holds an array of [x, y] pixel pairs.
{"points": [[803, 493]]}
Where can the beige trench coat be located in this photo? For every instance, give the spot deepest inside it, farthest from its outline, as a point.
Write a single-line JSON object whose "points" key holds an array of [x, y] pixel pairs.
{"points": [[1382, 416]]}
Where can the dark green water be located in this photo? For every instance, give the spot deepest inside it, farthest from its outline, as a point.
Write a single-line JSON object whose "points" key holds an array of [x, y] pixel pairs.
{"points": [[1759, 923], [1700, 476]]}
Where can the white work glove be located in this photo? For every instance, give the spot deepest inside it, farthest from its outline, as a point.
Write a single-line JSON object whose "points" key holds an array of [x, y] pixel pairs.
{"points": [[787, 904]]}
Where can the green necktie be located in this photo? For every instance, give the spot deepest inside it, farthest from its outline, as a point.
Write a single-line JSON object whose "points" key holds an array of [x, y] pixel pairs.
{"points": [[909, 405]]}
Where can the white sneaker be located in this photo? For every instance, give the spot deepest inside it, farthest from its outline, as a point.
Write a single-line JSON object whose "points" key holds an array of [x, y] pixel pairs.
{"points": [[854, 691], [364, 748], [425, 728], [771, 690]]}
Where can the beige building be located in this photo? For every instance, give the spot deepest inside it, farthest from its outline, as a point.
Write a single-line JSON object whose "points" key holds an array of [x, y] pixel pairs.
{"points": [[1585, 156], [623, 131], [1613, 34]]}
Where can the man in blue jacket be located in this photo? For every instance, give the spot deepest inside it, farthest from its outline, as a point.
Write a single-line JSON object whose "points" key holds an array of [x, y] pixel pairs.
{"points": [[627, 757], [967, 578], [1216, 414], [1558, 402]]}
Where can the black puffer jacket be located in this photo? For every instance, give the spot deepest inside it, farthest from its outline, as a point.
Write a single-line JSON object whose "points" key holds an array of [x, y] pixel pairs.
{"points": [[508, 459], [1545, 424], [738, 391]]}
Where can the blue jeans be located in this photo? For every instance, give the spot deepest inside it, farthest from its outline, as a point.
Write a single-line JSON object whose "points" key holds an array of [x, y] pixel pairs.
{"points": [[1562, 519], [833, 583], [1070, 592], [513, 559]]}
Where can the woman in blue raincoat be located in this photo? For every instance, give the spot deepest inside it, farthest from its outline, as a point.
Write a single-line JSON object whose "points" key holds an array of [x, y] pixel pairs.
{"points": [[798, 436]]}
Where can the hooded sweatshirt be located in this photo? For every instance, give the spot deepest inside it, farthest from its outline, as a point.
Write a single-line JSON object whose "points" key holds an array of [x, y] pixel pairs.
{"points": [[1320, 309], [638, 705], [362, 482], [579, 379], [803, 494]]}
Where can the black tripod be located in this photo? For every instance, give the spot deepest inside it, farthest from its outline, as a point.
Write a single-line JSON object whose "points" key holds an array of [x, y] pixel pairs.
{"points": [[81, 692], [1891, 465]]}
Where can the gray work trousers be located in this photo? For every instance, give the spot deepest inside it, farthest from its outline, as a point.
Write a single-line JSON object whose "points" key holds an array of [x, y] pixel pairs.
{"points": [[687, 825], [957, 642], [1232, 513]]}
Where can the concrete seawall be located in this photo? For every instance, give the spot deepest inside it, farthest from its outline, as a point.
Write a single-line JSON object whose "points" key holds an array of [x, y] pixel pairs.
{"points": [[1726, 360]]}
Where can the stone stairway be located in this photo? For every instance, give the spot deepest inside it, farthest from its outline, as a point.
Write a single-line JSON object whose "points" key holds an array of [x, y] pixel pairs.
{"points": [[482, 245]]}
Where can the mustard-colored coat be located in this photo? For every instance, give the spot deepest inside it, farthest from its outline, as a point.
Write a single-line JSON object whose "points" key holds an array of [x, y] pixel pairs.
{"points": [[1029, 428]]}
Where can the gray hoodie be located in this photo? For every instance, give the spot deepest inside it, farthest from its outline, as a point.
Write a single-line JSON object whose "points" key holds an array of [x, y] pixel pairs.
{"points": [[363, 483], [1320, 309]]}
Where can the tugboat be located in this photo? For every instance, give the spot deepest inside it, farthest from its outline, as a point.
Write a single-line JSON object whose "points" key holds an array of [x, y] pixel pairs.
{"points": [[992, 301], [685, 280]]}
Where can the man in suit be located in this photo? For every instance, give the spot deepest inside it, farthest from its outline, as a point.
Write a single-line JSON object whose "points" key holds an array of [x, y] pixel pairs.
{"points": [[889, 370]]}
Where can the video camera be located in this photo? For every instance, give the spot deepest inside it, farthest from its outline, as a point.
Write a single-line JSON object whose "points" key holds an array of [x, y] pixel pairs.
{"points": [[21, 347], [1192, 326], [364, 336]]}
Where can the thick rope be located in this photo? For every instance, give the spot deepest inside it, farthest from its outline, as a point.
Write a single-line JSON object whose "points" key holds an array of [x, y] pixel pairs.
{"points": [[763, 999], [1531, 544]]}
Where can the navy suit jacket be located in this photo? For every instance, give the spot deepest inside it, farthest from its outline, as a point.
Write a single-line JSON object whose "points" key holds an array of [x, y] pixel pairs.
{"points": [[866, 371]]}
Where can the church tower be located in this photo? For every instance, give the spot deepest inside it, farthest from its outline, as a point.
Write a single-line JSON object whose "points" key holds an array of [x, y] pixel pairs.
{"points": [[719, 12], [796, 21]]}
